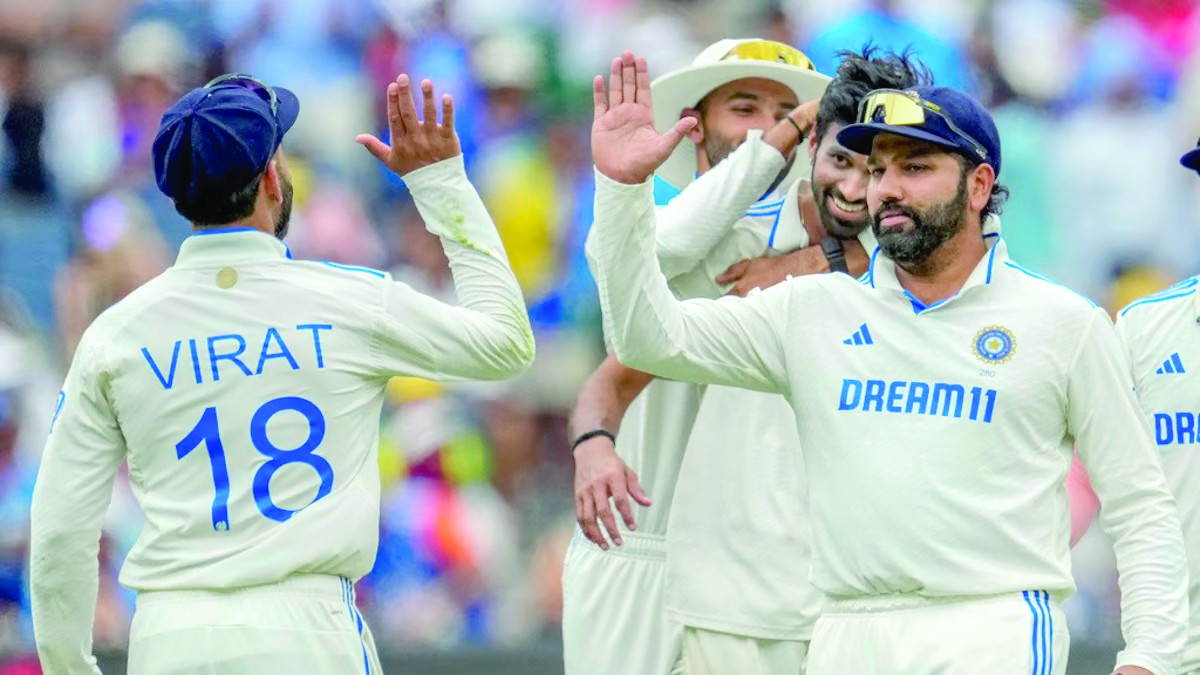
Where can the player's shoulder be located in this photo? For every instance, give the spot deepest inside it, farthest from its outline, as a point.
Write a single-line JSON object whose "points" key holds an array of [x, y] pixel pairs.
{"points": [[1046, 294], [1166, 304], [340, 273]]}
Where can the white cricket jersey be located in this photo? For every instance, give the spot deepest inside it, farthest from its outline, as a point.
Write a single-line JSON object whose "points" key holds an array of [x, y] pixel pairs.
{"points": [[1162, 334], [715, 222], [936, 439], [244, 390]]}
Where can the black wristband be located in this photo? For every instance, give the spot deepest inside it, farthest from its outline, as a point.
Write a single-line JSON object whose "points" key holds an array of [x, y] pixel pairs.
{"points": [[588, 435], [835, 254], [799, 131]]}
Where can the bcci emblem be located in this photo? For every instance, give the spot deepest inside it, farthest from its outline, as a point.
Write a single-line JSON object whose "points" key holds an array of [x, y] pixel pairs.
{"points": [[995, 344]]}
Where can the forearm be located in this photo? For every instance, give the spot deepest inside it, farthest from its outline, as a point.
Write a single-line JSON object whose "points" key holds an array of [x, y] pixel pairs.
{"points": [[63, 581], [605, 397], [648, 328], [696, 220], [483, 278]]}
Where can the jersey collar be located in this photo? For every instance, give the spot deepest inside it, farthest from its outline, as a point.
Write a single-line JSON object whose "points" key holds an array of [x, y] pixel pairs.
{"points": [[217, 247], [882, 273]]}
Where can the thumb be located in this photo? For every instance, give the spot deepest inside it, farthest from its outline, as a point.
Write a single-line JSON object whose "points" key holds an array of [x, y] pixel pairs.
{"points": [[374, 146], [674, 135], [735, 272], [635, 488]]}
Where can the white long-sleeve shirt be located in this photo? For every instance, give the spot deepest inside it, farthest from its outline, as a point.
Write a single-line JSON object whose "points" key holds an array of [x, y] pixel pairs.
{"points": [[721, 218], [1162, 334], [936, 439], [244, 390]]}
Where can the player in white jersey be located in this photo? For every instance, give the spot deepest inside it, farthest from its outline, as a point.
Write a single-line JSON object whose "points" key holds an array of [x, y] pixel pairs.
{"points": [[936, 451], [739, 611], [244, 390], [1162, 334], [739, 88]]}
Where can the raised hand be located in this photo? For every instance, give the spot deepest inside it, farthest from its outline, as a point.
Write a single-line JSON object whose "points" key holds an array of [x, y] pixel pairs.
{"points": [[625, 145], [415, 143]]}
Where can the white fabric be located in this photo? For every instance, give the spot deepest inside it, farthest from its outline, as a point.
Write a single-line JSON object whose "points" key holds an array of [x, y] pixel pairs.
{"points": [[611, 618], [913, 433], [278, 369], [1013, 634], [715, 653], [1161, 331], [304, 624]]}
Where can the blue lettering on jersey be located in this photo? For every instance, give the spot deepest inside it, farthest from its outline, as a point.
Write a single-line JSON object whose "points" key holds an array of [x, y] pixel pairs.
{"points": [[919, 398], [231, 347], [1181, 428]]}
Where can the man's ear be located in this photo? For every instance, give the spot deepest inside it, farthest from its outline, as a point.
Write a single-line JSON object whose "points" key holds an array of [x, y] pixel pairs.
{"points": [[813, 144], [979, 186], [272, 185], [696, 135]]}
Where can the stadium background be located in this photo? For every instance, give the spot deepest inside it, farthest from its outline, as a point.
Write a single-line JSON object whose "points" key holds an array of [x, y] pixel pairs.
{"points": [[1095, 101]]}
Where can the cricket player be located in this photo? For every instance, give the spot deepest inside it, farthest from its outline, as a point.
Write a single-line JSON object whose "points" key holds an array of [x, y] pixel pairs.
{"points": [[754, 98], [1162, 334], [936, 454], [732, 513], [244, 390]]}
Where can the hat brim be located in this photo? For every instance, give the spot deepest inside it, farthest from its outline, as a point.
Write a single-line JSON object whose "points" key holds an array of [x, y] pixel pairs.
{"points": [[683, 88], [289, 109], [1191, 160], [859, 137]]}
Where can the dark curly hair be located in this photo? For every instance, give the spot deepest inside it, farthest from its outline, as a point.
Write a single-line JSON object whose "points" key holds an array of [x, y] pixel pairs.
{"points": [[862, 72]]}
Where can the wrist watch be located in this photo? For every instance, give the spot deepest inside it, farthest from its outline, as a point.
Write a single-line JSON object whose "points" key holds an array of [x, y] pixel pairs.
{"points": [[835, 254]]}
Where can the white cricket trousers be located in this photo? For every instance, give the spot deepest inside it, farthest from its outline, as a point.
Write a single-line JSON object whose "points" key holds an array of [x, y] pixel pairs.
{"points": [[1021, 633], [707, 652], [613, 621], [303, 624]]}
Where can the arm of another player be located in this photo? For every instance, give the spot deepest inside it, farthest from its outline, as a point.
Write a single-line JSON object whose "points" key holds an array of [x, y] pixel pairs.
{"points": [[1081, 497], [74, 486], [1137, 510], [696, 219], [489, 336], [732, 342], [766, 271], [599, 473]]}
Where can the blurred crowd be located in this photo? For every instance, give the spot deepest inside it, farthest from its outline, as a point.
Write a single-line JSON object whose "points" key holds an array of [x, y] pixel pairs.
{"points": [[1095, 100]]}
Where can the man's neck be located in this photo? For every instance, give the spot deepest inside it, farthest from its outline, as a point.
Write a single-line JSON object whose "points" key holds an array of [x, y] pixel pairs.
{"points": [[947, 269]]}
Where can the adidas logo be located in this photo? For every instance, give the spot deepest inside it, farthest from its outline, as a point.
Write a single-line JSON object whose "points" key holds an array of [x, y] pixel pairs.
{"points": [[1172, 366], [862, 336]]}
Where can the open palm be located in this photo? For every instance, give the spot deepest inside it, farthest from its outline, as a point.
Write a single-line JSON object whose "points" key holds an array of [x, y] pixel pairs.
{"points": [[625, 145]]}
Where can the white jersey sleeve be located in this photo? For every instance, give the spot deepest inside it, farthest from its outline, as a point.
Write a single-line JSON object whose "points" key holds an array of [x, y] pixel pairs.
{"points": [[692, 223], [488, 337], [1137, 510], [730, 341], [74, 486]]}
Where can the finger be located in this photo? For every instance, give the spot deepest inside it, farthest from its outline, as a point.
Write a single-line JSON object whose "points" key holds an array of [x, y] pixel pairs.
{"points": [[447, 114], [642, 88], [405, 104], [620, 494], [614, 83], [395, 124], [587, 522], [674, 135], [429, 109], [635, 489], [374, 146], [605, 514], [599, 102], [628, 77], [735, 272]]}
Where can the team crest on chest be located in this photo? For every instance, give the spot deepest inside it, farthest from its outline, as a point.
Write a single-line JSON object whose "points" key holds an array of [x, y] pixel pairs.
{"points": [[995, 344]]}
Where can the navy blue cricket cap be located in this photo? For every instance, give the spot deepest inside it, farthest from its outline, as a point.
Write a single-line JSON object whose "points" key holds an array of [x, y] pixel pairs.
{"points": [[952, 119], [1192, 159], [217, 139]]}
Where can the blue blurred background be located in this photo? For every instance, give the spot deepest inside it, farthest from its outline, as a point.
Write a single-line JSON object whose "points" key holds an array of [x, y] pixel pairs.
{"points": [[1095, 100]]}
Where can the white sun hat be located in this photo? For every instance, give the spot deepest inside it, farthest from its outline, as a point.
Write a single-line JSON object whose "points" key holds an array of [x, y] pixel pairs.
{"points": [[721, 63]]}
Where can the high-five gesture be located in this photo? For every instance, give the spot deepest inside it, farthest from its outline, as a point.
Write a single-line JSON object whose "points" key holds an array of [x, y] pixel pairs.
{"points": [[625, 145], [415, 143]]}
